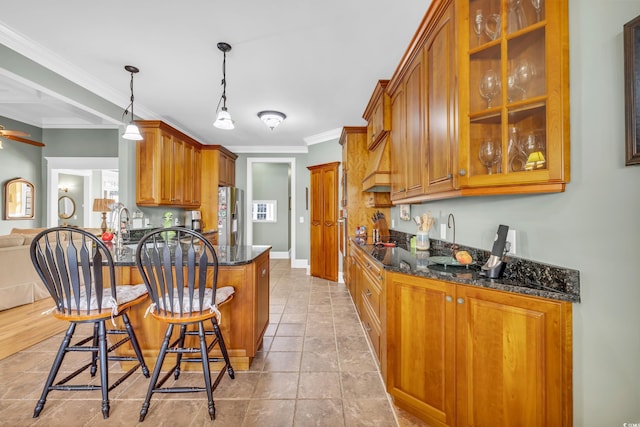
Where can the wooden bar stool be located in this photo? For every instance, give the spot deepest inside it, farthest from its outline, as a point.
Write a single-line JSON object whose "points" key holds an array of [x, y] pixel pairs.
{"points": [[180, 269], [77, 269]]}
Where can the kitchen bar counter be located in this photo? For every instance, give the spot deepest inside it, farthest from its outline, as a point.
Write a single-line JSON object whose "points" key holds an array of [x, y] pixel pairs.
{"points": [[244, 319], [227, 255], [521, 276]]}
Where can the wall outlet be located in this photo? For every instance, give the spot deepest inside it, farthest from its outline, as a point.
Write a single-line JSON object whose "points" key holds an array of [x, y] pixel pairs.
{"points": [[511, 239], [443, 231], [301, 220]]}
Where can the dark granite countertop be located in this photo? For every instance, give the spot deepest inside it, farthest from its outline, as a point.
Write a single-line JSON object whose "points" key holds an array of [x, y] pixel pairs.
{"points": [[227, 255], [521, 276]]}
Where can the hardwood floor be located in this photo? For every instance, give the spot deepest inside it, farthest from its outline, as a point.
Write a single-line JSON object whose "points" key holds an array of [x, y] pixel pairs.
{"points": [[26, 325]]}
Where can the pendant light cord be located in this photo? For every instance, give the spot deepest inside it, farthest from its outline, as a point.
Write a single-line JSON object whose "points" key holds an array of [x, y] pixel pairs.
{"points": [[126, 110], [224, 83]]}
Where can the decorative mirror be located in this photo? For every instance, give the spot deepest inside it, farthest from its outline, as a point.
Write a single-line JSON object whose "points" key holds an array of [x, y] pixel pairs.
{"points": [[19, 199], [66, 207]]}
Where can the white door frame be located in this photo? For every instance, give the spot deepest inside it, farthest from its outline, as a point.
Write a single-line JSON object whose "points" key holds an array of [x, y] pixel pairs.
{"points": [[292, 164]]}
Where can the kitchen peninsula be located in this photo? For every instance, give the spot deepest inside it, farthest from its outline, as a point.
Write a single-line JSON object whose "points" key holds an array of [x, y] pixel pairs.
{"points": [[244, 319]]}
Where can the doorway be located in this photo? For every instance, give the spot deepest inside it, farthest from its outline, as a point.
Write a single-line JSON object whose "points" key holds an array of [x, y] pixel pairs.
{"points": [[291, 162], [87, 167]]}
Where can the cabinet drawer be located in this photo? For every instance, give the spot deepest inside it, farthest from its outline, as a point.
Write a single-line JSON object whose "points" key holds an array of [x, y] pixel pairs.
{"points": [[371, 293], [371, 327]]}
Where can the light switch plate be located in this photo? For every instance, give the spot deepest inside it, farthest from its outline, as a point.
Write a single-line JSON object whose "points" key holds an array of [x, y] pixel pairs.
{"points": [[443, 231]]}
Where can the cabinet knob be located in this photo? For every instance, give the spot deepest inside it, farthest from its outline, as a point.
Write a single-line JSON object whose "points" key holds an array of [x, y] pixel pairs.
{"points": [[448, 298], [379, 278], [450, 176], [460, 300], [462, 172], [264, 272], [367, 327], [368, 293]]}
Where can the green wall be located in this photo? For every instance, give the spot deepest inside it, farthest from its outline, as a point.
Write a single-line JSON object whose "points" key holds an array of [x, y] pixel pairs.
{"points": [[271, 182], [18, 160]]}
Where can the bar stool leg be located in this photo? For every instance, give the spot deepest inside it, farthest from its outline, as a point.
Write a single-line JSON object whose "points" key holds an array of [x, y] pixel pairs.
{"points": [[135, 345], [205, 369], [104, 372], [156, 372], [62, 351]]}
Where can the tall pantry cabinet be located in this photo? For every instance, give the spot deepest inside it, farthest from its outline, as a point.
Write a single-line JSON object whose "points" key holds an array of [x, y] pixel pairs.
{"points": [[324, 220]]}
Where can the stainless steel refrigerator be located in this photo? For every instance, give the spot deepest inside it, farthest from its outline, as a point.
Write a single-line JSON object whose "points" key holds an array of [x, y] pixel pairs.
{"points": [[231, 217]]}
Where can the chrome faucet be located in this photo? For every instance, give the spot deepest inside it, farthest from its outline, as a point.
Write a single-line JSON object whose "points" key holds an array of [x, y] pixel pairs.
{"points": [[121, 230], [451, 223]]}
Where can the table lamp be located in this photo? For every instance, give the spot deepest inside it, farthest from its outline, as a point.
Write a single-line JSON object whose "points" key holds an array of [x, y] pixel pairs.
{"points": [[102, 205]]}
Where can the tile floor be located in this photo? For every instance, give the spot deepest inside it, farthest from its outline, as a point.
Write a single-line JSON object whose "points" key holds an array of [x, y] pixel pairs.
{"points": [[315, 369]]}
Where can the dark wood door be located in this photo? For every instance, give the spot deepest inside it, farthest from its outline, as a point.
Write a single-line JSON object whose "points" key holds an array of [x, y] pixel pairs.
{"points": [[324, 221]]}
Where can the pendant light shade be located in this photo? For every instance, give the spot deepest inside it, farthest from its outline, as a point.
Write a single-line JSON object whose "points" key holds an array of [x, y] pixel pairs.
{"points": [[132, 132], [272, 118], [223, 119]]}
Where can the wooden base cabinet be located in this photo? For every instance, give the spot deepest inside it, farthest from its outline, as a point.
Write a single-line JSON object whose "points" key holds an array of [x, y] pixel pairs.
{"points": [[467, 356], [513, 360], [420, 347]]}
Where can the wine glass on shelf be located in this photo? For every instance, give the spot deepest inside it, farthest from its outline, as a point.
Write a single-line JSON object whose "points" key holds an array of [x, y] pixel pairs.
{"points": [[489, 86], [490, 154], [525, 72], [516, 18], [537, 5], [478, 23]]}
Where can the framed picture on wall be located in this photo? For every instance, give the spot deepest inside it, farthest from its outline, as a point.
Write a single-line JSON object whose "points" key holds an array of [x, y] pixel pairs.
{"points": [[405, 212], [632, 91]]}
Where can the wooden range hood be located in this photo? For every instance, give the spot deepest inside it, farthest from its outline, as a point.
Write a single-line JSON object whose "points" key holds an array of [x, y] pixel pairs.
{"points": [[377, 177]]}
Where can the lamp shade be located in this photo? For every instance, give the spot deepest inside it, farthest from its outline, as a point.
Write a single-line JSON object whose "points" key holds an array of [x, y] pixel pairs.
{"points": [[223, 121], [132, 133], [102, 205]]}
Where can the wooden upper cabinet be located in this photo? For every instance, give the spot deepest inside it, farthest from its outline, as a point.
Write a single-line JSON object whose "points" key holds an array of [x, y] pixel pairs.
{"points": [[378, 115], [192, 181], [441, 115], [484, 112], [514, 97], [227, 168], [398, 140], [416, 160], [167, 167]]}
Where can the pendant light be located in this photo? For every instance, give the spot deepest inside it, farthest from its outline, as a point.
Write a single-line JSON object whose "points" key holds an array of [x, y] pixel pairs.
{"points": [[131, 132], [272, 118], [223, 120]]}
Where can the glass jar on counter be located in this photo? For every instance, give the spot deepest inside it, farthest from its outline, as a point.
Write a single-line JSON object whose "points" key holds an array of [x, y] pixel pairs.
{"points": [[422, 240]]}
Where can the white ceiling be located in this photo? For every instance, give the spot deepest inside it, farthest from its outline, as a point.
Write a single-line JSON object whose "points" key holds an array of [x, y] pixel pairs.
{"points": [[316, 61]]}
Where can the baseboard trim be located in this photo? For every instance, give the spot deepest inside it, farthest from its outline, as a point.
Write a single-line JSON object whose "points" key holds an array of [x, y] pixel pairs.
{"points": [[300, 263], [279, 254]]}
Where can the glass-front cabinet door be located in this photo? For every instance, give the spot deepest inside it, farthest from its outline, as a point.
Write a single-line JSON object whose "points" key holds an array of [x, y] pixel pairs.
{"points": [[514, 121]]}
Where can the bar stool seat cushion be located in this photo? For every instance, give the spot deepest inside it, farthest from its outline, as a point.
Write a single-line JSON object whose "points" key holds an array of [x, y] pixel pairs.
{"points": [[125, 293], [222, 294]]}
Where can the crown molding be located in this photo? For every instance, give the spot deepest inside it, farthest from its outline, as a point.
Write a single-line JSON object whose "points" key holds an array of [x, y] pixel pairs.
{"points": [[271, 149], [323, 137], [56, 64]]}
